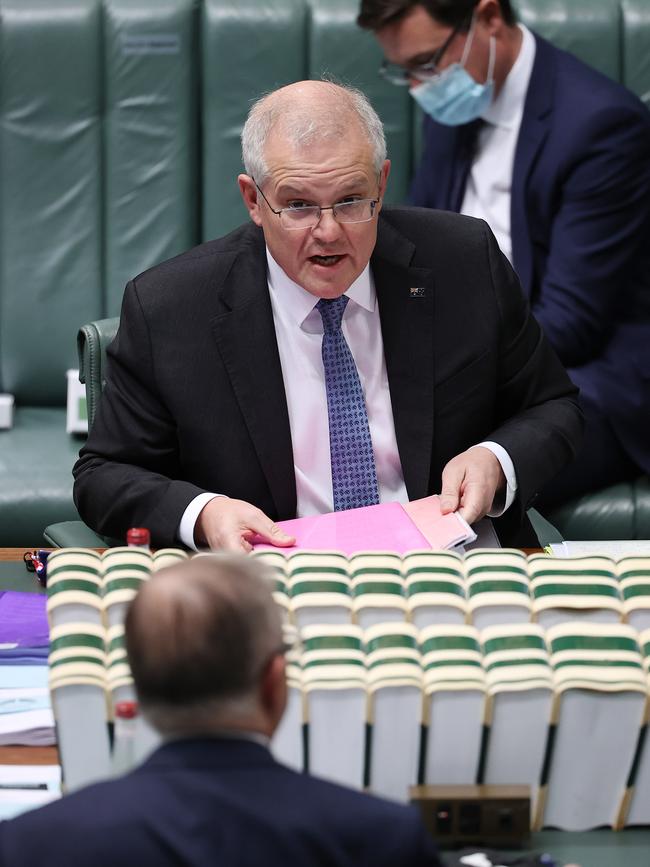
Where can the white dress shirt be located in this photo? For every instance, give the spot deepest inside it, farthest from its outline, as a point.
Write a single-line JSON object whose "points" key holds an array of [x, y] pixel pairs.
{"points": [[489, 183], [299, 333]]}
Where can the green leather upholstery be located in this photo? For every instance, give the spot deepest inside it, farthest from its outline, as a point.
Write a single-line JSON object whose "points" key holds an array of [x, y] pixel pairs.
{"points": [[150, 138], [50, 192], [72, 534], [119, 147], [636, 55], [583, 27], [92, 342], [619, 512], [248, 47], [35, 480]]}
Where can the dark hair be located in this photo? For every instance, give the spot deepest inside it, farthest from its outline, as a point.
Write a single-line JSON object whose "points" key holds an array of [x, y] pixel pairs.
{"points": [[201, 631], [375, 14]]}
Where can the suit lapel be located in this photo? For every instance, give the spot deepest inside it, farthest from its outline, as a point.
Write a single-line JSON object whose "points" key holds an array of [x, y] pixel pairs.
{"points": [[406, 305], [245, 335], [535, 125]]}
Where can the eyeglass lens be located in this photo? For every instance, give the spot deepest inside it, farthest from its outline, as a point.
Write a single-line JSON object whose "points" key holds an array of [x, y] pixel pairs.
{"points": [[358, 211], [401, 75]]}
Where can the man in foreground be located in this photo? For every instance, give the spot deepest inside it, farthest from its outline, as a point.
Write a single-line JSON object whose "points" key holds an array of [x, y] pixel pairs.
{"points": [[329, 354], [556, 158], [204, 641]]}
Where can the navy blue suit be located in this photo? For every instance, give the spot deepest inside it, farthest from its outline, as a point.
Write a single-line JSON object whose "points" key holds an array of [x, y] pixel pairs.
{"points": [[580, 226], [220, 802]]}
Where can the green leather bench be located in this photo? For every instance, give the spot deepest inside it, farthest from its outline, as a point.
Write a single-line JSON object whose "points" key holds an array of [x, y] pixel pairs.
{"points": [[119, 147]]}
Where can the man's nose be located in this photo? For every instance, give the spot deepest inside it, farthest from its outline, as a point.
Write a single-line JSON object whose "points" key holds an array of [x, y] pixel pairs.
{"points": [[327, 228]]}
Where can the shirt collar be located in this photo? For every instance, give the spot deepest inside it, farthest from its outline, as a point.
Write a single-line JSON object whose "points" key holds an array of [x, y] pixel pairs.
{"points": [[506, 110], [225, 734], [298, 303]]}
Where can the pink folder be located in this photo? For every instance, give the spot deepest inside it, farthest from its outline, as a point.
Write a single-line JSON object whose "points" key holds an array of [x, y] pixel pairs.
{"points": [[398, 527]]}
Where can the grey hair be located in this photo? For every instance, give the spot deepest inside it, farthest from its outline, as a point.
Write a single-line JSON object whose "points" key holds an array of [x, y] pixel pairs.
{"points": [[304, 123]]}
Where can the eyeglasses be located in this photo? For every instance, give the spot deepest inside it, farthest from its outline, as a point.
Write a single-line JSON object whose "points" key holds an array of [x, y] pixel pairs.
{"points": [[402, 75], [308, 216]]}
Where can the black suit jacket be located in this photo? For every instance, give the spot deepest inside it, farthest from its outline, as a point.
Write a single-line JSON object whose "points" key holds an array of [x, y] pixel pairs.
{"points": [[194, 399], [199, 803]]}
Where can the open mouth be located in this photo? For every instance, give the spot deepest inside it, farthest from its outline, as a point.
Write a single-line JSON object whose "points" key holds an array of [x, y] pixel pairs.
{"points": [[325, 261]]}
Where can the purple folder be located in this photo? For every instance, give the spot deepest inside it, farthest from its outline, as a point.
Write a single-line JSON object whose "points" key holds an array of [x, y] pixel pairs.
{"points": [[23, 619]]}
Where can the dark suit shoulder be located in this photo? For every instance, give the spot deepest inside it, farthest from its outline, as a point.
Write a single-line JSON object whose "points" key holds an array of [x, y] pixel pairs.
{"points": [[431, 233], [211, 259], [582, 87]]}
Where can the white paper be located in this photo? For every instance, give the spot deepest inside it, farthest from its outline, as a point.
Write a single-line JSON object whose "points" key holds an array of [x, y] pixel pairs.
{"points": [[613, 548]]}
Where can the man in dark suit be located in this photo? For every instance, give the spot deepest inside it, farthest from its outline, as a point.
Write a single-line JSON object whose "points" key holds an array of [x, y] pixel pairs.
{"points": [[556, 157], [226, 407], [205, 646]]}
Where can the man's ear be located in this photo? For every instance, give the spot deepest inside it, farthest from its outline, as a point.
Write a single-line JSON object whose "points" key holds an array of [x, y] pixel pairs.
{"points": [[273, 690], [383, 179], [248, 192], [488, 12]]}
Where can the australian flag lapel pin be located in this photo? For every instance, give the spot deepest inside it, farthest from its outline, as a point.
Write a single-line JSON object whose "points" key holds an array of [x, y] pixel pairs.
{"points": [[417, 292]]}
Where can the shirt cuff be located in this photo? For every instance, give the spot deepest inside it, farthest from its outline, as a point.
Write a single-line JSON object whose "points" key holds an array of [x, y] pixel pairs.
{"points": [[503, 500], [190, 515]]}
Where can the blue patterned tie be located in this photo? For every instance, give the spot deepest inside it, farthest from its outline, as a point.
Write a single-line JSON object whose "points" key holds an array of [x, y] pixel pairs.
{"points": [[354, 478]]}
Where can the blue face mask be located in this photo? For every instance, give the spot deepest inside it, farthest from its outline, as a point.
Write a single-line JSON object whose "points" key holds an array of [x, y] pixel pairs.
{"points": [[453, 97]]}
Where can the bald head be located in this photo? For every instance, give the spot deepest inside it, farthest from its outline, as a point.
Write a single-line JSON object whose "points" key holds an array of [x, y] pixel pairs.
{"points": [[308, 112], [199, 635]]}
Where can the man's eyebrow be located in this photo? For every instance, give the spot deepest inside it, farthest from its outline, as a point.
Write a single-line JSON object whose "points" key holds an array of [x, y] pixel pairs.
{"points": [[349, 188]]}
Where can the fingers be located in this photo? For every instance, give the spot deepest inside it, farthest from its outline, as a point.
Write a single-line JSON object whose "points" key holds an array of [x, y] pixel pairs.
{"points": [[453, 476], [231, 525], [470, 482], [264, 527]]}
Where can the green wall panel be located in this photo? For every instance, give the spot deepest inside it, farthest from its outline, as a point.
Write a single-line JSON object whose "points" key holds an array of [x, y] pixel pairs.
{"points": [[636, 47], [150, 137], [248, 48], [50, 182], [590, 29]]}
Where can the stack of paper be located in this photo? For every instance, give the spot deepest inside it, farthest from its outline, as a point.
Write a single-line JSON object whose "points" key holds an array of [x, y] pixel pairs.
{"points": [[575, 588], [25, 708], [88, 595], [634, 578], [454, 687], [435, 588], [334, 678], [520, 700], [377, 588], [319, 588], [498, 588], [395, 707], [601, 696], [636, 804]]}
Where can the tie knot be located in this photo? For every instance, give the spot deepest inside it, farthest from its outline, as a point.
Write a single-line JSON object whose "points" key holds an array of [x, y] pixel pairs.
{"points": [[331, 311]]}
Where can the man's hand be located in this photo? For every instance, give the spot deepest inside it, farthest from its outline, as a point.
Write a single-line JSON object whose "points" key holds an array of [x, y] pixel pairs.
{"points": [[229, 525], [470, 482]]}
